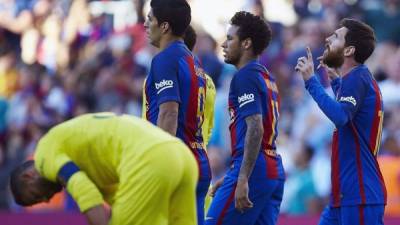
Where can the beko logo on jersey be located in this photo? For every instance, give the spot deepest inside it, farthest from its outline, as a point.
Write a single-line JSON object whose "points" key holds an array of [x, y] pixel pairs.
{"points": [[349, 99], [245, 98], [164, 84]]}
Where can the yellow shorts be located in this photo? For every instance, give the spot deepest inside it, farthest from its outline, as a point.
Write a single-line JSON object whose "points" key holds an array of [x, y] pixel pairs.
{"points": [[157, 187]]}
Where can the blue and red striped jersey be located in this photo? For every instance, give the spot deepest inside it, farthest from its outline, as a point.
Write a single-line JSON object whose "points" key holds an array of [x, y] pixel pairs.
{"points": [[172, 77], [358, 115], [253, 91]]}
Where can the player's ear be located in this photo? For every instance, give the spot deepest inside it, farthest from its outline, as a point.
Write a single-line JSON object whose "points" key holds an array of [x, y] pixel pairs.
{"points": [[247, 43], [349, 51], [165, 27]]}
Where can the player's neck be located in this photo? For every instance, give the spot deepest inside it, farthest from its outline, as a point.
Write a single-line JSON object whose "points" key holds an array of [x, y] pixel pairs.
{"points": [[245, 59], [348, 65], [167, 40]]}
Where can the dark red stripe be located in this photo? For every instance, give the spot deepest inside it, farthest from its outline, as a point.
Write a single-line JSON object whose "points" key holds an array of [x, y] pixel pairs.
{"points": [[191, 111], [359, 164], [375, 122], [272, 167], [335, 176], [232, 128], [271, 163], [361, 214], [374, 135], [268, 121], [226, 206]]}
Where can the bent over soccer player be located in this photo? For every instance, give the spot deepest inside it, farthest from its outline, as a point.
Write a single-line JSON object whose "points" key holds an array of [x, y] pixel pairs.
{"points": [[122, 160], [251, 191], [174, 93], [358, 191]]}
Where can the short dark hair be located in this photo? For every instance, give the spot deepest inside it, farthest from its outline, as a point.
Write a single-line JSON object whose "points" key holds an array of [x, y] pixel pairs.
{"points": [[361, 36], [253, 27], [17, 184], [190, 38], [176, 12]]}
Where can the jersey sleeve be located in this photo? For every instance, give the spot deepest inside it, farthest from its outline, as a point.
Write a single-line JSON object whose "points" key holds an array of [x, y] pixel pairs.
{"points": [[351, 94], [248, 94], [165, 79], [342, 110], [84, 191]]}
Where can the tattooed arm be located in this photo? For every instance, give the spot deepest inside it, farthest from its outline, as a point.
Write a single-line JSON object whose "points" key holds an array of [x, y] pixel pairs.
{"points": [[252, 145]]}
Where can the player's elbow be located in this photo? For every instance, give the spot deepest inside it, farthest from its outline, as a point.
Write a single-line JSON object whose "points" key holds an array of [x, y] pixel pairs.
{"points": [[340, 120]]}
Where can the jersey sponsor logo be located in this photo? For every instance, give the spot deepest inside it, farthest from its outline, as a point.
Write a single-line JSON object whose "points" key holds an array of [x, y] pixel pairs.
{"points": [[348, 99], [164, 84], [245, 98]]}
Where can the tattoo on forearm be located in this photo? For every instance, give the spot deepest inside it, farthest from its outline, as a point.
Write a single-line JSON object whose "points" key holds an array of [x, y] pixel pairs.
{"points": [[252, 144]]}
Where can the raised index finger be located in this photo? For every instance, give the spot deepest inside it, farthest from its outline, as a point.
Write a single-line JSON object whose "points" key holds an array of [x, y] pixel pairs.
{"points": [[309, 55]]}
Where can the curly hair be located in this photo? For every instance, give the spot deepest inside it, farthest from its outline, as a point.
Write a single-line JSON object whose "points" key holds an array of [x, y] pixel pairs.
{"points": [[253, 27], [361, 36], [175, 12]]}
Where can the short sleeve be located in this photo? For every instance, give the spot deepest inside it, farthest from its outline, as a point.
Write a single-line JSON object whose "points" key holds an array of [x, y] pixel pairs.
{"points": [[165, 79], [247, 93]]}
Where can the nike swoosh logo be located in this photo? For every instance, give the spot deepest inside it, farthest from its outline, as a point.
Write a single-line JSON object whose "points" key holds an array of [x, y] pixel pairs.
{"points": [[209, 218]]}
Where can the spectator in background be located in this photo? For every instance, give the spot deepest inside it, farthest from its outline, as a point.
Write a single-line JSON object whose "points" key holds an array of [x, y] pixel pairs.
{"points": [[300, 195], [385, 20]]}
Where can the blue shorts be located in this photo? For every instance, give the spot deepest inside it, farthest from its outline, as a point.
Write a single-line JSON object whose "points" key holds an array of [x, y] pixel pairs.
{"points": [[201, 192], [265, 194], [353, 215]]}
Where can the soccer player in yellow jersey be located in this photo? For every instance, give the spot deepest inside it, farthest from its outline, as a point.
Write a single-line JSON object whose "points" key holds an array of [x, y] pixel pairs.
{"points": [[208, 122], [147, 176]]}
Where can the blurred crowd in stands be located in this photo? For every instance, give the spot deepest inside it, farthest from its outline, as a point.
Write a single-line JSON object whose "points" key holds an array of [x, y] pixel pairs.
{"points": [[58, 60]]}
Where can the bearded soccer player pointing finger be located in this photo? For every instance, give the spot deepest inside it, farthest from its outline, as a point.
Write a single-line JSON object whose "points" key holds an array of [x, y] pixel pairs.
{"points": [[358, 190]]}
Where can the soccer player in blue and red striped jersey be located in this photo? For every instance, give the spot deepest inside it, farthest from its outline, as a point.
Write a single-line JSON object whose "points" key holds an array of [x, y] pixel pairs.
{"points": [[174, 93], [251, 191], [358, 190]]}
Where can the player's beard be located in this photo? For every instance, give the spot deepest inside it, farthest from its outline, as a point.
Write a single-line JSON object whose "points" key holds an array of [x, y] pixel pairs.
{"points": [[232, 58], [333, 59]]}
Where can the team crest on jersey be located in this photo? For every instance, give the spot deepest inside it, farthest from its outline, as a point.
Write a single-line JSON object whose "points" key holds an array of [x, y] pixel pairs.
{"points": [[348, 99], [164, 84], [245, 98]]}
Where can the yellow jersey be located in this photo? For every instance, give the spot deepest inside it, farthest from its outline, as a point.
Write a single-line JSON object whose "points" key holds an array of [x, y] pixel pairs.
{"points": [[208, 122], [96, 143]]}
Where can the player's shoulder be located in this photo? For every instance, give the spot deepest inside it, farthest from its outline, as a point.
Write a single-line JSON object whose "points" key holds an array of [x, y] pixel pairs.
{"points": [[250, 72], [358, 75], [171, 54]]}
